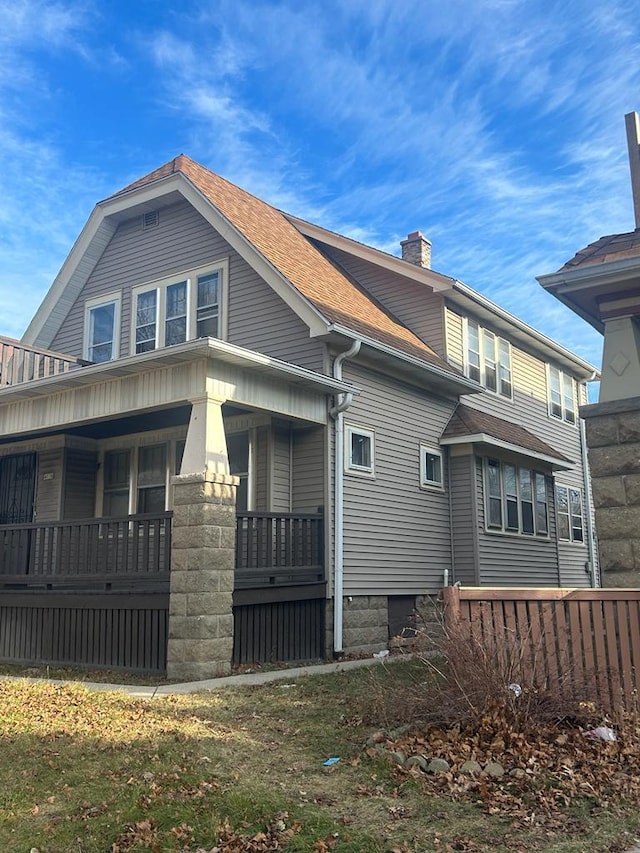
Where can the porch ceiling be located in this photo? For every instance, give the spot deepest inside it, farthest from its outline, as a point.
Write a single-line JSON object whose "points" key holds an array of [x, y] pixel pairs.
{"points": [[161, 380]]}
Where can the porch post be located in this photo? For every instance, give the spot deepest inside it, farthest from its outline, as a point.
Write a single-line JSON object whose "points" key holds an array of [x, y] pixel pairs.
{"points": [[202, 551]]}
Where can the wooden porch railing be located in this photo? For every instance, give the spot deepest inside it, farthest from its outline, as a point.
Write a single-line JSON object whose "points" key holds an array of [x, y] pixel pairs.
{"points": [[105, 551], [279, 549], [22, 363]]}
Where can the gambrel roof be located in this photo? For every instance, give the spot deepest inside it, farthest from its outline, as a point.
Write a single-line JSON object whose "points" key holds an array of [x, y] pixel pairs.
{"points": [[337, 297]]}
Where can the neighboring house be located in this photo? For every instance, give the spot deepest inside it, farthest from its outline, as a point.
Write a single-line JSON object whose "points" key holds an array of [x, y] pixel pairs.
{"points": [[601, 283], [266, 440]]}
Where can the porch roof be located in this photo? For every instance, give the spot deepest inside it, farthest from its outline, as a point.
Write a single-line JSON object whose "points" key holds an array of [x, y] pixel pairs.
{"points": [[163, 379]]}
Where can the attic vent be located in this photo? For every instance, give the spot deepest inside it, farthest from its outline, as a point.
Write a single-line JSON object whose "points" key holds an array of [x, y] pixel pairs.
{"points": [[150, 219]]}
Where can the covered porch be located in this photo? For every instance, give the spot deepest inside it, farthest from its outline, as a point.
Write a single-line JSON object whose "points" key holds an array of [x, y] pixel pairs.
{"points": [[99, 588]]}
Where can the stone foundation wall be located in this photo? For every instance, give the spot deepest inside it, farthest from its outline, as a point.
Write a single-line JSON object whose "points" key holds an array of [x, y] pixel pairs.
{"points": [[365, 624], [613, 440]]}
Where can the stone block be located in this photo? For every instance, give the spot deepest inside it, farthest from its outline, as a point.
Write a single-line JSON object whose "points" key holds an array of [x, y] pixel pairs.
{"points": [[365, 619], [195, 537], [629, 427], [193, 671], [194, 582], [225, 626], [209, 603], [616, 554], [602, 431], [632, 489], [609, 491], [208, 514], [609, 461], [177, 605], [210, 560], [620, 579], [617, 522]]}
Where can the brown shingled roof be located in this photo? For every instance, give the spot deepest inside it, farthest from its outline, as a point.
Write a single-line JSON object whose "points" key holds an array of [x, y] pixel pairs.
{"points": [[611, 248], [337, 298], [466, 421]]}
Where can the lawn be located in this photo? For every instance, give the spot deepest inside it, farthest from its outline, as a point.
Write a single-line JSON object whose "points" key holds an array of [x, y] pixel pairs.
{"points": [[242, 769]]}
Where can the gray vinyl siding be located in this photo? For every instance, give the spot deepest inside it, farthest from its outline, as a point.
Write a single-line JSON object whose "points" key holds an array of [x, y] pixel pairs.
{"points": [[396, 535], [515, 560], [463, 517], [257, 318], [261, 461], [79, 488], [414, 304], [573, 560], [308, 469], [280, 469], [48, 492]]}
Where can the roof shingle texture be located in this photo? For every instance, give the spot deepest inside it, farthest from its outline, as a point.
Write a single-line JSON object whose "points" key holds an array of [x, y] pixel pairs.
{"points": [[466, 421], [610, 248], [337, 298]]}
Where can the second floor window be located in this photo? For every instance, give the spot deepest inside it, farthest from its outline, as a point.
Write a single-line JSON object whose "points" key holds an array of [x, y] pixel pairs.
{"points": [[102, 320], [488, 359], [173, 311], [562, 403]]}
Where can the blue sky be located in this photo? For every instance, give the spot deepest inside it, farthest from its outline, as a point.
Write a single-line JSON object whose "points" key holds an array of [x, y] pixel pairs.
{"points": [[496, 127]]}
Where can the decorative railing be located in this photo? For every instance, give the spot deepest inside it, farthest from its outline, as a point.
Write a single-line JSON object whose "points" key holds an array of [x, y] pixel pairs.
{"points": [[92, 553], [22, 363], [279, 549]]}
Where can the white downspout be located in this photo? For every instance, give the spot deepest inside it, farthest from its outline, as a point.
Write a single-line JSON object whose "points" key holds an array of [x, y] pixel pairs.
{"points": [[343, 403], [588, 500]]}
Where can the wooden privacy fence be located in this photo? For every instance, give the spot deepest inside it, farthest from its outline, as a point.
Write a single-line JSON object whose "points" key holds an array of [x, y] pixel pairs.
{"points": [[582, 643]]}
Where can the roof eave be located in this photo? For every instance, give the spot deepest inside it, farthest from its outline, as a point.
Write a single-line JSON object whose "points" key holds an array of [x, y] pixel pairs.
{"points": [[456, 383]]}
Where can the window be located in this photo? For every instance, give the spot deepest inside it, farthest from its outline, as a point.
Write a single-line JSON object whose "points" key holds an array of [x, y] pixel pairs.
{"points": [[152, 478], [176, 310], [561, 395], [117, 467], [570, 514], [516, 499], [359, 450], [430, 467], [135, 479], [239, 451], [102, 324], [488, 359]]}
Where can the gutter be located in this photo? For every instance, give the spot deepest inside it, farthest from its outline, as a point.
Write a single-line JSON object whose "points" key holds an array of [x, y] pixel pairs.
{"points": [[589, 513], [337, 413]]}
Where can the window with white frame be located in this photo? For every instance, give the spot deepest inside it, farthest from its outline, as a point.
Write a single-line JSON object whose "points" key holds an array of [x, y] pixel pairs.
{"points": [[430, 467], [179, 309], [562, 398], [102, 325], [359, 450], [569, 509], [516, 499], [488, 359]]}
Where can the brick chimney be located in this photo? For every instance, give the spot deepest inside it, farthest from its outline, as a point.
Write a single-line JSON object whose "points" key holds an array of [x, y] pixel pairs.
{"points": [[417, 250]]}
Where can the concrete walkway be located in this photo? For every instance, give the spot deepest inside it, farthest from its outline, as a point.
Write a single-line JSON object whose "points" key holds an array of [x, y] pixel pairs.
{"points": [[247, 679]]}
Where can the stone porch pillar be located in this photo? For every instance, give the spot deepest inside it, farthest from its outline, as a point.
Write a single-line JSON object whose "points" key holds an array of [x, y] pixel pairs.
{"points": [[202, 551]]}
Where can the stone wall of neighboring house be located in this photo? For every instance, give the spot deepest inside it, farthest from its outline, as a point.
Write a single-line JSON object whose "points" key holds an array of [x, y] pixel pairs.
{"points": [[613, 438]]}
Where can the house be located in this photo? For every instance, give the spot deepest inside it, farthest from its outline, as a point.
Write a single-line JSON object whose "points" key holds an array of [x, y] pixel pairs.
{"points": [[601, 284], [230, 435]]}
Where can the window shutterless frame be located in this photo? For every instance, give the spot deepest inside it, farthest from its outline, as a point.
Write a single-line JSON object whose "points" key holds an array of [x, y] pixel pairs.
{"points": [[183, 307], [515, 499], [431, 467], [561, 395], [359, 451], [487, 358], [570, 513], [102, 328]]}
